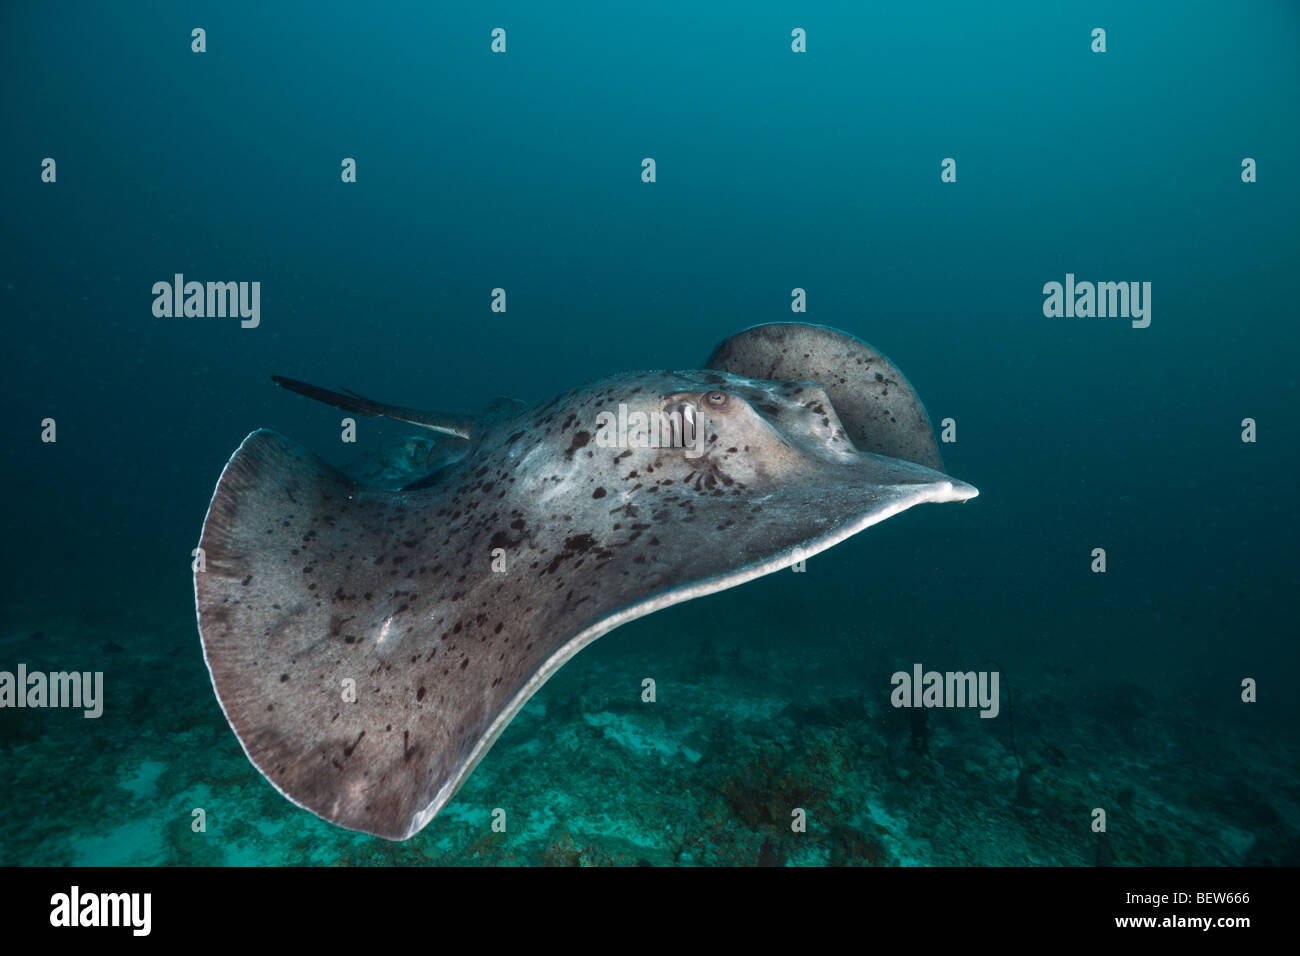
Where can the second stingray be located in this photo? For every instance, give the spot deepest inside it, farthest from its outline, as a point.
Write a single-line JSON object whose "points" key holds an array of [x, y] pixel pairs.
{"points": [[446, 605]]}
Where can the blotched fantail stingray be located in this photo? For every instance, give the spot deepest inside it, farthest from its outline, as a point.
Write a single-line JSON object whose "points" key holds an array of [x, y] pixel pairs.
{"points": [[449, 602]]}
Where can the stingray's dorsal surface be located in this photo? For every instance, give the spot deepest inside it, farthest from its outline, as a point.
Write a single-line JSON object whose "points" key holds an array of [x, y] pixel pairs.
{"points": [[449, 606], [879, 408]]}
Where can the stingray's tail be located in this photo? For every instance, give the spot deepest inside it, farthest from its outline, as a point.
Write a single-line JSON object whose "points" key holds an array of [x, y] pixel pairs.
{"points": [[460, 426], [299, 583]]}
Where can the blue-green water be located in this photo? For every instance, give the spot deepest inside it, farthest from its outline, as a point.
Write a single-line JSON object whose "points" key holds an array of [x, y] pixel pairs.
{"points": [[775, 170]]}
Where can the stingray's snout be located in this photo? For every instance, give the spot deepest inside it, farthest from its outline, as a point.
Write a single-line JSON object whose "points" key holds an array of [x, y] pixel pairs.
{"points": [[961, 491], [933, 485]]}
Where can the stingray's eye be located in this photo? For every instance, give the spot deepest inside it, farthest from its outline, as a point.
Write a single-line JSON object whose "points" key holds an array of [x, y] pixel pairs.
{"points": [[715, 399]]}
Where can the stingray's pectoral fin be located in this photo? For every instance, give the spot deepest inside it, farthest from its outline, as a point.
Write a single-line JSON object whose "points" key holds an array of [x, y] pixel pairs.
{"points": [[308, 640], [350, 401], [878, 407]]}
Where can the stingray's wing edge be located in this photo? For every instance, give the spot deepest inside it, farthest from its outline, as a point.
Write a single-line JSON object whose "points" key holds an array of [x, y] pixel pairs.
{"points": [[255, 435], [936, 492], [899, 498]]}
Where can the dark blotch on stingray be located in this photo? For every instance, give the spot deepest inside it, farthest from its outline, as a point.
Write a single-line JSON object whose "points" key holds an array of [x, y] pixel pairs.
{"points": [[580, 440]]}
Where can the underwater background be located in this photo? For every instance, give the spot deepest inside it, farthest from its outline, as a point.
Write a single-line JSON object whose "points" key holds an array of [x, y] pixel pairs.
{"points": [[775, 170]]}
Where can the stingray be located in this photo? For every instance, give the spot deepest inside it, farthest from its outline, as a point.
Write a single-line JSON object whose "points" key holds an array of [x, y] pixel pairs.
{"points": [[368, 645]]}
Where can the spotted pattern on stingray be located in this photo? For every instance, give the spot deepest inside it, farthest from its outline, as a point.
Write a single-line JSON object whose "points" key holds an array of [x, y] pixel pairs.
{"points": [[368, 645]]}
